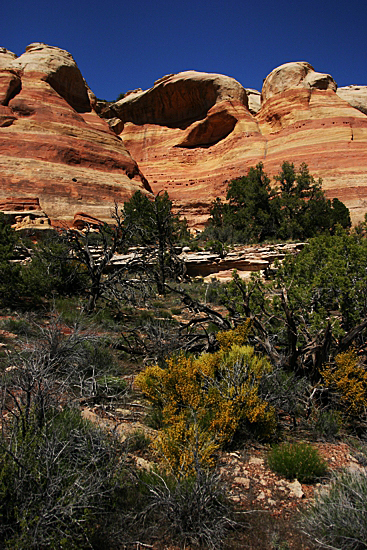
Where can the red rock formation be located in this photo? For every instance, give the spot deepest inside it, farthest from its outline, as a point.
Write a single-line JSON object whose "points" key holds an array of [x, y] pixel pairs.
{"points": [[83, 220], [190, 134], [20, 204], [52, 142], [304, 120], [193, 132], [191, 154]]}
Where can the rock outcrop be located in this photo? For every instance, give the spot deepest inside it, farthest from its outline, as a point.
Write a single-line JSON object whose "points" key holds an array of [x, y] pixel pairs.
{"points": [[82, 221], [204, 107], [291, 76], [186, 131], [356, 96], [19, 204], [244, 259], [24, 213], [52, 142], [192, 132], [254, 100]]}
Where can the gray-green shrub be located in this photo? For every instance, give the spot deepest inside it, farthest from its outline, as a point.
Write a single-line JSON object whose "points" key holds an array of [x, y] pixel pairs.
{"points": [[338, 517]]}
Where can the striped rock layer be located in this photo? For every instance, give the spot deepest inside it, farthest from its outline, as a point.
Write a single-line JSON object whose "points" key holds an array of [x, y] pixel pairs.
{"points": [[53, 145], [191, 133]]}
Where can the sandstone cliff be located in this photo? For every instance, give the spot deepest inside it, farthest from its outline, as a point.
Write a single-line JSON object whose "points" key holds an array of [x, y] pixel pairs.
{"points": [[53, 145], [355, 95], [193, 132], [189, 134]]}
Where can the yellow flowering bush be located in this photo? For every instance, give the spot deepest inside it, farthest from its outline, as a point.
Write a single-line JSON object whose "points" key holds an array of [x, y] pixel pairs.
{"points": [[205, 401], [349, 380], [238, 335]]}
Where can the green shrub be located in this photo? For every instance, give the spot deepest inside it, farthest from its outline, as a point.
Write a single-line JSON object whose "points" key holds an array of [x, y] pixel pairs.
{"points": [[137, 441], [146, 315], [158, 304], [18, 326], [338, 517], [53, 270], [327, 424], [104, 318], [164, 314], [69, 308], [111, 386], [11, 283], [297, 460]]}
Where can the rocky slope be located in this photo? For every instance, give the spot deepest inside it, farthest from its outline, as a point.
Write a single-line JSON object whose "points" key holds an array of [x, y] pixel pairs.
{"points": [[192, 132], [53, 144], [189, 134]]}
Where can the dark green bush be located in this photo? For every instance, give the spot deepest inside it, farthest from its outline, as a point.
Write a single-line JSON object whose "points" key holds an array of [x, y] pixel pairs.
{"points": [[53, 270], [18, 326], [137, 441], [297, 461], [11, 283], [255, 211], [327, 424]]}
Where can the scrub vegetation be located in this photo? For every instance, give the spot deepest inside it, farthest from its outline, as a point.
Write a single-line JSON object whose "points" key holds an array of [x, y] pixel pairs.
{"points": [[207, 368]]}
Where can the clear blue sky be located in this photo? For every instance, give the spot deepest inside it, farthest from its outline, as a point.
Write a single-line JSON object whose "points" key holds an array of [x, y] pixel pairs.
{"points": [[123, 45]]}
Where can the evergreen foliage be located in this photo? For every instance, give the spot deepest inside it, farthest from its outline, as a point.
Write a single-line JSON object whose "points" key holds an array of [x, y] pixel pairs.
{"points": [[329, 275], [155, 226], [296, 209], [11, 284], [54, 270], [312, 308]]}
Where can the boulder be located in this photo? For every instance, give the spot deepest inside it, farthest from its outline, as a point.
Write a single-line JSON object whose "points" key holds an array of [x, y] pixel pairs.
{"points": [[54, 144], [254, 100], [356, 97], [58, 68], [295, 75]]}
